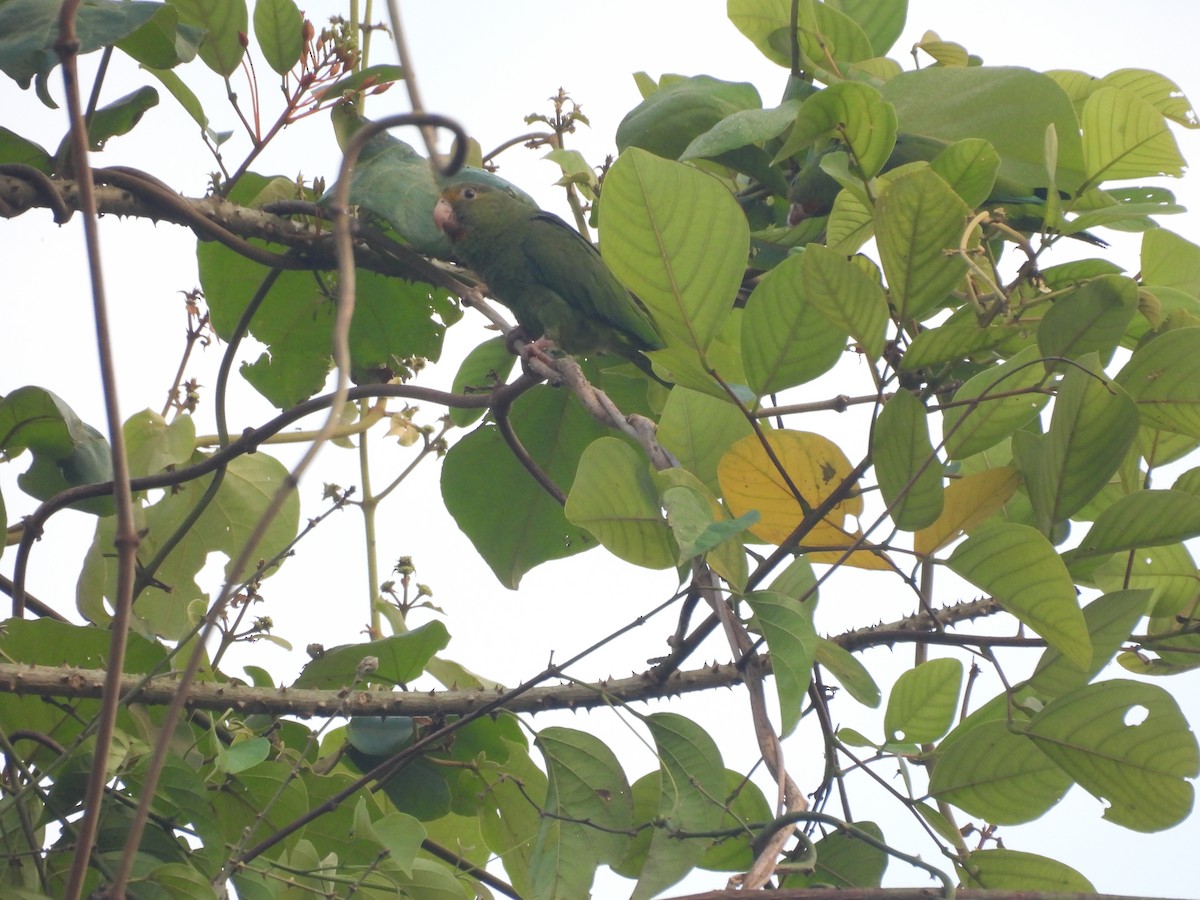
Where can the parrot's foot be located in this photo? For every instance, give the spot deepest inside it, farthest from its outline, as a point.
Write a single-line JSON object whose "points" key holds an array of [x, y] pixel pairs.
{"points": [[543, 350], [538, 357]]}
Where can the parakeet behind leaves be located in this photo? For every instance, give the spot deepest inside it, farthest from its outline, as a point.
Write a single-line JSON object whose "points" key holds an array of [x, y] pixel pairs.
{"points": [[550, 277]]}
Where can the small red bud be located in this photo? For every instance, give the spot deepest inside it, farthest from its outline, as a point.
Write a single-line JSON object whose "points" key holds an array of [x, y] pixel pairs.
{"points": [[243, 40]]}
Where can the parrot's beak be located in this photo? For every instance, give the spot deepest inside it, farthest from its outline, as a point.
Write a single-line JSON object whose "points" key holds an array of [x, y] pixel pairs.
{"points": [[445, 220]]}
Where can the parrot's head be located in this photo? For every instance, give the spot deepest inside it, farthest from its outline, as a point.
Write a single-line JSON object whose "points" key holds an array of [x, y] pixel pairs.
{"points": [[464, 205]]}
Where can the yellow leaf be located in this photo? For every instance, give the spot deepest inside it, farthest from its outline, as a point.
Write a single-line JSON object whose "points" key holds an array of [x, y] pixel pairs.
{"points": [[750, 479], [969, 501]]}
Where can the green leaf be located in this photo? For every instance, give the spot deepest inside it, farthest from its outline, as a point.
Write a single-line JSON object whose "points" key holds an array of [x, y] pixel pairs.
{"points": [[996, 775], [676, 238], [850, 673], [1168, 572], [163, 43], [379, 735], [853, 113], [979, 419], [189, 101], [225, 525], [1014, 870], [909, 472], [486, 366], [120, 116], [1093, 426], [847, 296], [614, 498], [66, 451], [786, 340], [279, 26], [1160, 92], [243, 755], [1126, 137], [364, 80], [1171, 261], [1126, 743], [586, 787], [788, 630], [953, 341], [1146, 518], [844, 861], [696, 525], [681, 110], [969, 166], [743, 128], [692, 792], [1164, 378], [398, 660], [950, 104], [881, 20], [923, 702], [825, 32], [1022, 571], [401, 835], [1091, 318], [227, 23], [1110, 619], [851, 223], [917, 219], [394, 320], [744, 806], [698, 429], [22, 151], [29, 30], [509, 821], [513, 523], [152, 444]]}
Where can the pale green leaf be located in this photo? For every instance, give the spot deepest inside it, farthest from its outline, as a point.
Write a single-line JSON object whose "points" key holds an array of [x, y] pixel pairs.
{"points": [[1093, 426], [1126, 743], [1001, 869], [1126, 137], [997, 775], [850, 673], [923, 702], [615, 499], [787, 627], [850, 112], [847, 296], [909, 472], [979, 418], [917, 219], [1092, 317], [691, 798], [698, 429], [676, 238], [1022, 571], [786, 340], [278, 26]]}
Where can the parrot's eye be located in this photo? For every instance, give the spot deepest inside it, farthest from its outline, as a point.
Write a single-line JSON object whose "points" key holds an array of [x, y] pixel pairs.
{"points": [[468, 194]]}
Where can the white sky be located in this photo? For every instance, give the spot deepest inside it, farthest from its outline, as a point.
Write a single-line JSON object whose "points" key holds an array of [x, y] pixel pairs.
{"points": [[489, 64]]}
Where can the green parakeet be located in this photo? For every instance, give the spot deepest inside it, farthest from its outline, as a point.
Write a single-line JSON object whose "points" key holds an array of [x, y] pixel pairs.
{"points": [[550, 277]]}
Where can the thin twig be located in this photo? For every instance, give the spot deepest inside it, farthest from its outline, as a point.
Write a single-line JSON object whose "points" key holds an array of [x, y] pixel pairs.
{"points": [[126, 538]]}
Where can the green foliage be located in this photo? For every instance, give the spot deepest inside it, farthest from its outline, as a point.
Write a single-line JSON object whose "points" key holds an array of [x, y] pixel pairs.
{"points": [[1012, 418]]}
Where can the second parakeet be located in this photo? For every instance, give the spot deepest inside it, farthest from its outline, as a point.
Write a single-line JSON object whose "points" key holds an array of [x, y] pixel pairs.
{"points": [[551, 277]]}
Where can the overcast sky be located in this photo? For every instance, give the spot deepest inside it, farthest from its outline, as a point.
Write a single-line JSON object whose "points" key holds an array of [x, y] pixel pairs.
{"points": [[489, 64]]}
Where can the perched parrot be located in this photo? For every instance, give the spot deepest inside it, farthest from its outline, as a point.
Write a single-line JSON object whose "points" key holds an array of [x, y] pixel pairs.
{"points": [[550, 276]]}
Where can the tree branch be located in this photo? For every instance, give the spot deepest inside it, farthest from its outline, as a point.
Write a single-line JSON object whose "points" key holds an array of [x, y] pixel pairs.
{"points": [[55, 681]]}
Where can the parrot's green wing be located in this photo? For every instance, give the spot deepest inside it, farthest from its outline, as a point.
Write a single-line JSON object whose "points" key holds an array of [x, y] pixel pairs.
{"points": [[565, 262]]}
